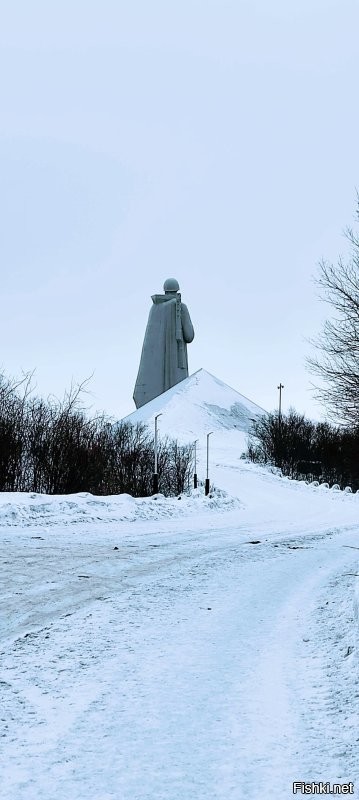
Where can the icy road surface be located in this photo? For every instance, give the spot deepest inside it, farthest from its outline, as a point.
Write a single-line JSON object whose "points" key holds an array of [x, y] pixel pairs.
{"points": [[184, 665]]}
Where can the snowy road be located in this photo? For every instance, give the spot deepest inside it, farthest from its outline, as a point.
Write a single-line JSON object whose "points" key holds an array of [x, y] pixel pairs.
{"points": [[183, 664]]}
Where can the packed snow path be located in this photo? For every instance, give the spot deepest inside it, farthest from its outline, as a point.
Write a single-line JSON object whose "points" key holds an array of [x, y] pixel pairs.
{"points": [[182, 665]]}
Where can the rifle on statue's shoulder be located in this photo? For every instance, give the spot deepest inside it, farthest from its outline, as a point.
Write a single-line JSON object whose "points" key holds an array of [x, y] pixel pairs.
{"points": [[179, 333]]}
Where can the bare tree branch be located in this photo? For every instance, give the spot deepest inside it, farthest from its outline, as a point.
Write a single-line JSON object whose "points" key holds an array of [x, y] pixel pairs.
{"points": [[337, 361]]}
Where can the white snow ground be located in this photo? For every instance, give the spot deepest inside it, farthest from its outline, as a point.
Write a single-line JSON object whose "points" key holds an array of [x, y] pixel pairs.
{"points": [[151, 650], [199, 404]]}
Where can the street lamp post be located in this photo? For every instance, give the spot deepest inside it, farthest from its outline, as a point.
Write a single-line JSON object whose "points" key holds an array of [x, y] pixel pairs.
{"points": [[195, 481], [155, 474], [206, 488]]}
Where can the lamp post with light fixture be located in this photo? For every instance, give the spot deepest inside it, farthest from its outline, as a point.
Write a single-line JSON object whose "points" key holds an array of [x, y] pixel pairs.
{"points": [[206, 488], [195, 480], [155, 474]]}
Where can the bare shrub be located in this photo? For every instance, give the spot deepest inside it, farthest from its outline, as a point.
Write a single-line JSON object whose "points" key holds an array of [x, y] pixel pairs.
{"points": [[53, 446]]}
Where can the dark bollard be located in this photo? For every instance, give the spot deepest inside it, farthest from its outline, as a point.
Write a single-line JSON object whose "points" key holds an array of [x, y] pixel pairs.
{"points": [[206, 486], [195, 483], [155, 483]]}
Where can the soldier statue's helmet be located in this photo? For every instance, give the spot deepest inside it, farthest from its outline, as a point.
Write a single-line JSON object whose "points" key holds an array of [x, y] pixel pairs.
{"points": [[171, 285]]}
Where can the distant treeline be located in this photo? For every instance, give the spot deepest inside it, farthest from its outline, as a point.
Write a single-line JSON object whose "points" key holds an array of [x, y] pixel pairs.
{"points": [[53, 447], [307, 450]]}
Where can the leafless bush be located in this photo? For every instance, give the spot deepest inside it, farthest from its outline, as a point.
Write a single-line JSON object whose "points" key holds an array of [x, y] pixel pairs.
{"points": [[53, 447], [304, 449]]}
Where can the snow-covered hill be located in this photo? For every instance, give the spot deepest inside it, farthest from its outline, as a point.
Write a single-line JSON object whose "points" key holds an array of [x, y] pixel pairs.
{"points": [[197, 405]]}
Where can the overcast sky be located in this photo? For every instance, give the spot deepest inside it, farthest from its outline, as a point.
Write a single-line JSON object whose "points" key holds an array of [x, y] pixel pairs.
{"points": [[212, 141]]}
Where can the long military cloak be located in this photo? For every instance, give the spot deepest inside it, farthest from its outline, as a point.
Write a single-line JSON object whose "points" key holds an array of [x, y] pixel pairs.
{"points": [[164, 361]]}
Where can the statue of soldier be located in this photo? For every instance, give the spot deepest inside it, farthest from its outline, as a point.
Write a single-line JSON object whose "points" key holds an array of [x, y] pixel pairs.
{"points": [[164, 353]]}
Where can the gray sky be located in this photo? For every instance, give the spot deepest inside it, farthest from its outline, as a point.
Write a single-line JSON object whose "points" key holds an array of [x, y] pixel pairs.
{"points": [[211, 141]]}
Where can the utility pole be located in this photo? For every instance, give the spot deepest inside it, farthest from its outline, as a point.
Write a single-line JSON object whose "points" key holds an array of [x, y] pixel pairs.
{"points": [[280, 387]]}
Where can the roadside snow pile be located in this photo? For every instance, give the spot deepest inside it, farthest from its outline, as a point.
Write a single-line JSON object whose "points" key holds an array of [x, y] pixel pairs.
{"points": [[24, 509]]}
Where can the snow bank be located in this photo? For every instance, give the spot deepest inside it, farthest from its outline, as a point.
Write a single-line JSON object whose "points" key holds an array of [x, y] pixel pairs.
{"points": [[24, 509], [244, 487]]}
